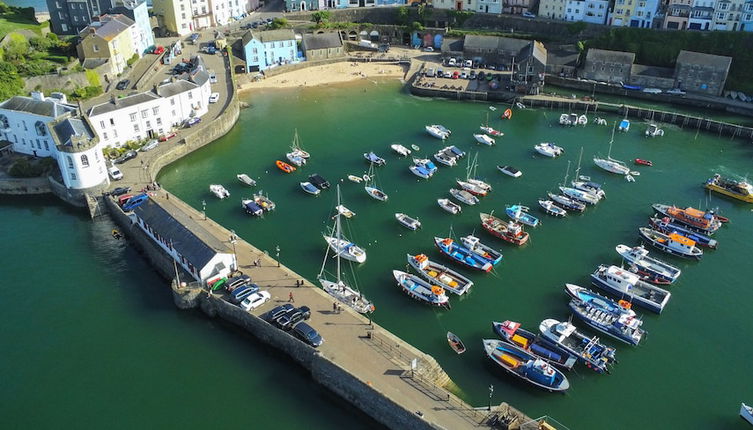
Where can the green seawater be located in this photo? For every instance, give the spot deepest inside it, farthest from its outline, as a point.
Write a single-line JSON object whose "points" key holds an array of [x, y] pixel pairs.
{"points": [[91, 337]]}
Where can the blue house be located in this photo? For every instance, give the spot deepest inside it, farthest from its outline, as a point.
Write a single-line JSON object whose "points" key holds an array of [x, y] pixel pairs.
{"points": [[265, 49]]}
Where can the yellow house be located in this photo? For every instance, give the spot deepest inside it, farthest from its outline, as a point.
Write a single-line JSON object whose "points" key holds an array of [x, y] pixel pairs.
{"points": [[109, 40]]}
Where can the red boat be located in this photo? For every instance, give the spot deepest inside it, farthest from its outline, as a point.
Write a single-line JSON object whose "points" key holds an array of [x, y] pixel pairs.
{"points": [[509, 231], [643, 162], [507, 114], [285, 167]]}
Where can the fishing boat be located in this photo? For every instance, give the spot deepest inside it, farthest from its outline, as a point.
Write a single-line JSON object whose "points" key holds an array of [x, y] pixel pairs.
{"points": [[285, 167], [566, 203], [245, 179], [610, 164], [628, 286], [584, 183], [746, 412], [643, 162], [408, 222], [310, 188], [295, 159], [339, 289], [426, 164], [671, 243], [552, 209], [624, 125], [400, 149], [509, 231], [421, 290], [605, 315], [484, 252], [484, 139], [520, 213], [638, 256], [461, 254], [595, 355], [449, 206], [437, 132], [456, 344], [296, 146], [472, 188], [666, 226], [464, 196], [374, 159], [264, 201], [525, 366], [510, 171], [354, 178], [251, 207], [440, 275], [319, 181], [511, 332], [549, 149], [653, 131], [420, 171], [694, 219], [582, 120], [219, 191], [443, 158], [342, 210], [740, 190], [376, 193]]}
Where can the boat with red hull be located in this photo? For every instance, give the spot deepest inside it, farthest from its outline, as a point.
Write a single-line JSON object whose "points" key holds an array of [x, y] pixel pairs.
{"points": [[510, 231], [644, 162]]}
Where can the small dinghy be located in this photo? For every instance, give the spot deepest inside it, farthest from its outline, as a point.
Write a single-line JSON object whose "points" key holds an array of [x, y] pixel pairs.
{"points": [[408, 222], [415, 147], [310, 188], [643, 162], [376, 193], [374, 159], [552, 209], [400, 149], [245, 179], [654, 131], [464, 196], [510, 171], [624, 125], [455, 343], [285, 167], [354, 178], [219, 191], [484, 139], [347, 213], [449, 206]]}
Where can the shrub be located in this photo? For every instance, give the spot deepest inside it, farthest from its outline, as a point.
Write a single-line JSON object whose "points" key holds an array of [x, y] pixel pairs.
{"points": [[134, 58], [23, 168]]}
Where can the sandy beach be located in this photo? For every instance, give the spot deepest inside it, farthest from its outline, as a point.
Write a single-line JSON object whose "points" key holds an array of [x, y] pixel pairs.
{"points": [[326, 74]]}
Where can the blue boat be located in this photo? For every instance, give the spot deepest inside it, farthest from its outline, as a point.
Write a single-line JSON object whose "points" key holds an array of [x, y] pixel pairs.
{"points": [[421, 290], [420, 171], [426, 164], [525, 366], [595, 355], [135, 202], [624, 125], [510, 332], [461, 254], [310, 188], [374, 159], [518, 213], [605, 315], [251, 207], [484, 252], [666, 226], [457, 151]]}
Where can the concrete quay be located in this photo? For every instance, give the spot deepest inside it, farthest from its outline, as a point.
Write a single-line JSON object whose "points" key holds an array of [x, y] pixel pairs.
{"points": [[359, 360]]}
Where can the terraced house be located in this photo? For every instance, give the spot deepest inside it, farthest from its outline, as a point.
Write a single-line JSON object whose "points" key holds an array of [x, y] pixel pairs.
{"points": [[265, 49], [110, 39], [633, 13]]}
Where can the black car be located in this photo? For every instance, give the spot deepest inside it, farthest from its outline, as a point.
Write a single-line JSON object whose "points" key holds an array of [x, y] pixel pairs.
{"points": [[307, 334], [122, 84], [119, 191], [287, 320], [276, 312], [125, 157], [481, 76]]}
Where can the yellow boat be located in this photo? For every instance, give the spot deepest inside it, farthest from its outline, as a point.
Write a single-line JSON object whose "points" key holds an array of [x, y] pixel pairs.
{"points": [[740, 190]]}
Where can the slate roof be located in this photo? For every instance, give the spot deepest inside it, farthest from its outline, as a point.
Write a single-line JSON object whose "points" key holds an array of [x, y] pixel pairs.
{"points": [[610, 56], [701, 59], [476, 42], [659, 72], [173, 88], [50, 108], [197, 250], [125, 102], [71, 127], [563, 55], [322, 41], [452, 45], [109, 26], [268, 36]]}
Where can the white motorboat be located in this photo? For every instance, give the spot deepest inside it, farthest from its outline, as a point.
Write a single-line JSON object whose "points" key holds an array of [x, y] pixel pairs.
{"points": [[295, 159], [583, 120], [484, 139], [219, 191], [408, 222], [442, 128], [565, 119], [549, 149], [445, 159], [625, 125], [579, 195], [400, 149], [436, 132], [653, 131], [610, 164], [354, 178], [746, 412], [449, 206], [376, 193], [420, 171], [310, 188], [552, 209], [347, 213], [245, 179], [510, 171], [490, 131], [464, 196]]}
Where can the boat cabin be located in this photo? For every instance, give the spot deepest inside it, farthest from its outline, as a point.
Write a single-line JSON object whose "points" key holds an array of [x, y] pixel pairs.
{"points": [[692, 216], [681, 242], [618, 277]]}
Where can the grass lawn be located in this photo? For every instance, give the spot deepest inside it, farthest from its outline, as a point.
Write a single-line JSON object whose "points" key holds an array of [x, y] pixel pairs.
{"points": [[11, 21]]}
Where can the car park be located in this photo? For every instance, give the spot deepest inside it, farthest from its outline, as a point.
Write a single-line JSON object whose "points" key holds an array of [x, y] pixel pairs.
{"points": [[167, 136], [237, 281], [149, 145], [128, 155], [214, 97], [122, 84], [120, 191], [212, 78], [255, 300], [307, 334], [287, 320], [115, 173], [276, 312]]}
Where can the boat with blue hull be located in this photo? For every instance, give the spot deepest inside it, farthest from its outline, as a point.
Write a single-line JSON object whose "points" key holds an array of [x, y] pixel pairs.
{"points": [[605, 315], [594, 354], [510, 332], [420, 171], [439, 274], [372, 158], [627, 286], [666, 226], [519, 213], [426, 164], [649, 266], [484, 252], [525, 366], [421, 290], [461, 254], [251, 207]]}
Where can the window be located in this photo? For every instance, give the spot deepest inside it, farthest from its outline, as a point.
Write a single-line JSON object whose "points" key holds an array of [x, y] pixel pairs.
{"points": [[102, 124], [4, 123], [115, 132], [112, 121], [155, 110], [159, 121], [104, 135], [70, 161], [64, 27], [75, 18], [255, 51], [136, 128], [133, 117], [85, 161], [183, 15], [190, 95], [145, 113], [172, 102], [73, 176], [148, 125], [173, 113], [46, 146], [95, 48]]}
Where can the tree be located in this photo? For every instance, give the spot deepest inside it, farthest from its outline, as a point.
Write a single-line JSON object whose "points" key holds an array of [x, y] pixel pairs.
{"points": [[17, 48], [278, 23], [402, 15], [10, 83], [321, 17]]}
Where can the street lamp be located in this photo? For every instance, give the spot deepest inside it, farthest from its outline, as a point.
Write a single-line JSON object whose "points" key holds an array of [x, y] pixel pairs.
{"points": [[491, 391], [233, 239], [204, 208], [277, 251]]}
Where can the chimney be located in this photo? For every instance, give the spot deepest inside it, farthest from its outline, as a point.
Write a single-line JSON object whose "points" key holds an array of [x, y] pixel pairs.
{"points": [[37, 95]]}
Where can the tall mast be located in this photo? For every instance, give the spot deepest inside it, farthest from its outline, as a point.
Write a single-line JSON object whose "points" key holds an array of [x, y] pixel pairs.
{"points": [[337, 223], [577, 171], [609, 155]]}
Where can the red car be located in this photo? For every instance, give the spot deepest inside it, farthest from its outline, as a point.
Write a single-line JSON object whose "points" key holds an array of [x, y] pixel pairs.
{"points": [[455, 74], [167, 136], [158, 50]]}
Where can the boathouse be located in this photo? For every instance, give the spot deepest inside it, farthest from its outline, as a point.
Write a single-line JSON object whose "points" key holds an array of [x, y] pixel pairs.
{"points": [[701, 73], [201, 254], [322, 46], [608, 66]]}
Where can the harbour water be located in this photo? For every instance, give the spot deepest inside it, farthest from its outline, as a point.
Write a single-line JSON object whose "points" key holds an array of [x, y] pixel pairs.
{"points": [[107, 342]]}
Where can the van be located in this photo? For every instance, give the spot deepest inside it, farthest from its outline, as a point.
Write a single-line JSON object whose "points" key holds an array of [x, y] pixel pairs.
{"points": [[452, 62], [366, 44], [430, 73], [115, 173]]}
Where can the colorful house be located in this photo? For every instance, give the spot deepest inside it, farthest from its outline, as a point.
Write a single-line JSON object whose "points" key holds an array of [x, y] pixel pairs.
{"points": [[137, 11], [111, 38], [265, 49]]}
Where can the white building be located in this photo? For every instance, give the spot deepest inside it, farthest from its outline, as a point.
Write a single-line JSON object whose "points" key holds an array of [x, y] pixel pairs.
{"points": [[46, 127], [186, 16], [152, 113], [490, 6], [591, 11]]}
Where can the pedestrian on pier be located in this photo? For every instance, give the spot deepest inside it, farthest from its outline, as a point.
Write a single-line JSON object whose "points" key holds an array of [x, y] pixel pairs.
{"points": [[290, 298], [334, 307], [301, 283]]}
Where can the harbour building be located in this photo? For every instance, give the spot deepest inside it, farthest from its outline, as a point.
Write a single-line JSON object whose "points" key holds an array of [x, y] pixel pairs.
{"points": [[265, 49]]}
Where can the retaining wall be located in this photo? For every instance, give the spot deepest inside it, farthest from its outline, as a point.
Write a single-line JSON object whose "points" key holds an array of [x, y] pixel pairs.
{"points": [[24, 186]]}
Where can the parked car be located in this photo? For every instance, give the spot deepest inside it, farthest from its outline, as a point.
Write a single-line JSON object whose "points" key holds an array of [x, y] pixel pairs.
{"points": [[240, 293], [468, 63], [115, 173], [212, 78], [464, 75], [287, 320], [440, 73], [430, 73], [307, 334], [167, 136], [214, 97], [236, 282], [128, 155], [193, 38], [472, 75], [124, 199], [149, 145], [428, 49], [452, 62], [528, 15], [122, 84], [455, 74], [481, 76], [255, 300], [448, 74], [276, 312], [119, 191], [193, 121], [209, 49], [676, 92], [652, 90], [159, 49]]}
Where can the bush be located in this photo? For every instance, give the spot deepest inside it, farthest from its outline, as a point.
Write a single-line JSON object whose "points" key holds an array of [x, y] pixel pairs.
{"points": [[134, 58], [23, 168], [322, 16], [93, 78], [11, 83], [278, 23]]}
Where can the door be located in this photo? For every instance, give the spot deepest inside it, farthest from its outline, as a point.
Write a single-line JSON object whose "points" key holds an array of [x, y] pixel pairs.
{"points": [[459, 5]]}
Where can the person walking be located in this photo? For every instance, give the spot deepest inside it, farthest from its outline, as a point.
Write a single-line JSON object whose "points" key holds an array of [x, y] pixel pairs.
{"points": [[290, 298], [334, 307]]}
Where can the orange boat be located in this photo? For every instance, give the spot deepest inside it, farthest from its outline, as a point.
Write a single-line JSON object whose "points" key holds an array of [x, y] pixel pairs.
{"points": [[285, 167], [507, 114]]}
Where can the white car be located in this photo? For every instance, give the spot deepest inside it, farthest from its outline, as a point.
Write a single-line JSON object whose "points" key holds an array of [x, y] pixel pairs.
{"points": [[212, 78], [652, 90], [149, 145], [214, 97], [255, 300], [676, 92], [115, 173]]}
